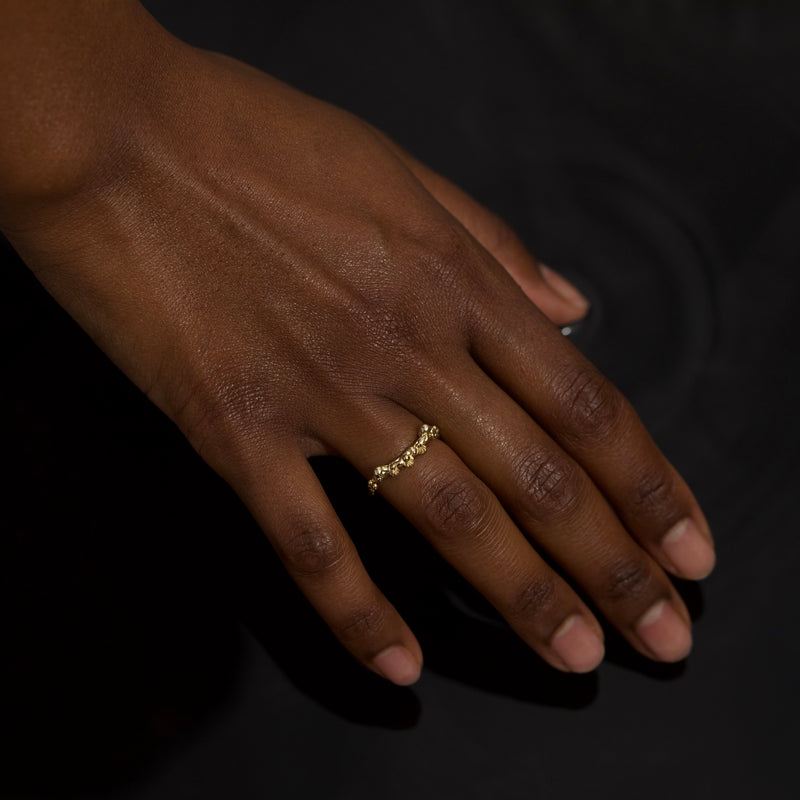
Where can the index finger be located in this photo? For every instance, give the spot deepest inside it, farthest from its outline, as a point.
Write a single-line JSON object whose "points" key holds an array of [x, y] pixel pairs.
{"points": [[593, 422]]}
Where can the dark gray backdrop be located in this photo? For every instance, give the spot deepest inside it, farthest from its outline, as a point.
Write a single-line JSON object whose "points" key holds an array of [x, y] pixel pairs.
{"points": [[152, 647]]}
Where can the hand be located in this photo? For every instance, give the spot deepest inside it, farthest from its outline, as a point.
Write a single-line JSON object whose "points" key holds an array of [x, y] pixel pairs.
{"points": [[284, 282]]}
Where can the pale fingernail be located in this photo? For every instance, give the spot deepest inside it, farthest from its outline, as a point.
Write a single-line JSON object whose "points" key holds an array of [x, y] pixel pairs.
{"points": [[688, 550], [578, 646], [564, 289], [664, 633], [397, 665]]}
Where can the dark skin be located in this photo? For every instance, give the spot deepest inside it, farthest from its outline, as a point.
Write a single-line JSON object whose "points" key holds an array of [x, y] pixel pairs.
{"points": [[283, 281]]}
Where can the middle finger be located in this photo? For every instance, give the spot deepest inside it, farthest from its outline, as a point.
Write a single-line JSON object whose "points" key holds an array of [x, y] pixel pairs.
{"points": [[557, 505]]}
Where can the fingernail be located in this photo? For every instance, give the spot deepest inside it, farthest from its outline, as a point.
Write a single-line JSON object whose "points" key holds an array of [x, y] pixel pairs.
{"points": [[577, 644], [562, 287], [397, 665], [664, 633], [688, 550]]}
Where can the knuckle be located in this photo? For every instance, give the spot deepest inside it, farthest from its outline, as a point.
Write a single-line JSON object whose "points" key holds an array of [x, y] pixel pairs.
{"points": [[363, 622], [229, 408], [391, 321], [537, 596], [628, 578], [395, 330], [456, 505], [592, 407], [444, 252], [426, 309], [312, 552], [654, 492], [449, 260], [551, 482]]}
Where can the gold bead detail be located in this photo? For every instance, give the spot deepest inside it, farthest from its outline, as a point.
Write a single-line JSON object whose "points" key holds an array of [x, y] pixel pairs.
{"points": [[405, 459]]}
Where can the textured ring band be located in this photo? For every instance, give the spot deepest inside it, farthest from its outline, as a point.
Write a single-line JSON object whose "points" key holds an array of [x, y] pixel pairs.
{"points": [[405, 459]]}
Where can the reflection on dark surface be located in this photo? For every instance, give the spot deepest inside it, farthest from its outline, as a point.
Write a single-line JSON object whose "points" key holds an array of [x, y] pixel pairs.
{"points": [[649, 151]]}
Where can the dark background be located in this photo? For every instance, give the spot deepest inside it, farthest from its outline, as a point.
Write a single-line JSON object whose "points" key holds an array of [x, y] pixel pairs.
{"points": [[151, 646]]}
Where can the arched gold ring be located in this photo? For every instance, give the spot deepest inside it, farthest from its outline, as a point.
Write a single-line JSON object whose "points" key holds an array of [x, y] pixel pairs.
{"points": [[405, 459]]}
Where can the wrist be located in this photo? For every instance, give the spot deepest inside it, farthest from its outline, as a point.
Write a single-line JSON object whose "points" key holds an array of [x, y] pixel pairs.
{"points": [[81, 91]]}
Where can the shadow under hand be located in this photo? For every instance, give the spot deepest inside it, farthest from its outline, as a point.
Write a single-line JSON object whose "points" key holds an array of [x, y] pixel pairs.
{"points": [[467, 647], [113, 650], [463, 637], [489, 655], [297, 640]]}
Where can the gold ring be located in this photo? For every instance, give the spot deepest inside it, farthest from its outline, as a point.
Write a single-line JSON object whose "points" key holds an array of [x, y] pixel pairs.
{"points": [[405, 459]]}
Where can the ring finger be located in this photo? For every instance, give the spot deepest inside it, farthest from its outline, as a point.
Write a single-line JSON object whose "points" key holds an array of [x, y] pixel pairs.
{"points": [[466, 523]]}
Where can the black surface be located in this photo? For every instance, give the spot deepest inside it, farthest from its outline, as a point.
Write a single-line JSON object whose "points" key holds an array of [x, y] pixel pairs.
{"points": [[151, 645]]}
